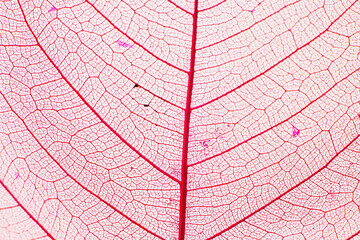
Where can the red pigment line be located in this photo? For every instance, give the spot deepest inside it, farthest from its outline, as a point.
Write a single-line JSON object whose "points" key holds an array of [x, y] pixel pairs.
{"points": [[178, 6], [273, 66], [26, 211], [278, 124], [283, 194], [76, 181], [184, 162], [357, 233], [90, 107], [139, 45]]}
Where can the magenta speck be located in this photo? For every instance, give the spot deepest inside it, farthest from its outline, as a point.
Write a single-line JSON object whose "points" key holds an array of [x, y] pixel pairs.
{"points": [[295, 132], [123, 44], [52, 9], [205, 143]]}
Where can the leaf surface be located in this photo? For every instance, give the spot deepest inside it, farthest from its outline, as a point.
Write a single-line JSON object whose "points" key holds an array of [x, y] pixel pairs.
{"points": [[179, 119]]}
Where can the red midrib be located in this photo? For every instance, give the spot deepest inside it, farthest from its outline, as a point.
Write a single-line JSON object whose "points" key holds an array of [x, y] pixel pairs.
{"points": [[184, 165]]}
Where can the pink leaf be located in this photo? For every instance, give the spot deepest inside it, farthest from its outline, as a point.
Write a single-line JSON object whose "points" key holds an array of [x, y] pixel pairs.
{"points": [[170, 119]]}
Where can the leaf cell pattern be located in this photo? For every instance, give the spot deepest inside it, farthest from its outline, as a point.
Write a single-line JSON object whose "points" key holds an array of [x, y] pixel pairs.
{"points": [[172, 119]]}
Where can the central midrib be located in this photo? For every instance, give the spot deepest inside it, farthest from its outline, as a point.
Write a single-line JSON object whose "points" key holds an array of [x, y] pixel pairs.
{"points": [[184, 165]]}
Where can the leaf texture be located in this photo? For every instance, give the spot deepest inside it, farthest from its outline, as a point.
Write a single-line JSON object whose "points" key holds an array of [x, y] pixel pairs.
{"points": [[161, 119]]}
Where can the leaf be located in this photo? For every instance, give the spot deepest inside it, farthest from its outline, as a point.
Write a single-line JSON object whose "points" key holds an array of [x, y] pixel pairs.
{"points": [[179, 119]]}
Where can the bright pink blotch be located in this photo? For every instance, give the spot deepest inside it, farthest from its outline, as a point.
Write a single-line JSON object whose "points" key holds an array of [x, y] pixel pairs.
{"points": [[205, 143], [295, 132], [52, 9], [123, 44]]}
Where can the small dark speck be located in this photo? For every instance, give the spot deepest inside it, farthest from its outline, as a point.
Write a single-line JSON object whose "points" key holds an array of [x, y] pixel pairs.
{"points": [[146, 105], [136, 85]]}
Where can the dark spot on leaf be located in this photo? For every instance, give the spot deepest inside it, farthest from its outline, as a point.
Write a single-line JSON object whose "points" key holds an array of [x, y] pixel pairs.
{"points": [[146, 105], [136, 85]]}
